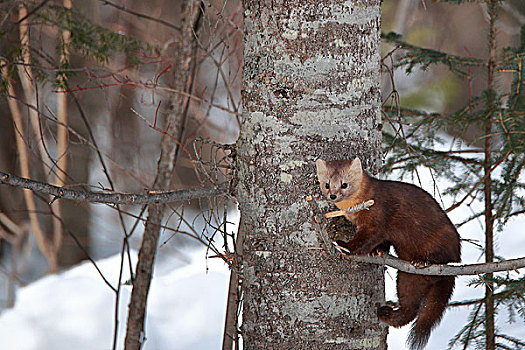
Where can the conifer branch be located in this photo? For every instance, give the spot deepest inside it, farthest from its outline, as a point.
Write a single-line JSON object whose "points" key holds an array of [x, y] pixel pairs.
{"points": [[423, 56], [113, 197]]}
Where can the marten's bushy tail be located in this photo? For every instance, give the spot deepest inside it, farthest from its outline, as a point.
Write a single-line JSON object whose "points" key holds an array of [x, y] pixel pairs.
{"points": [[430, 312], [424, 297]]}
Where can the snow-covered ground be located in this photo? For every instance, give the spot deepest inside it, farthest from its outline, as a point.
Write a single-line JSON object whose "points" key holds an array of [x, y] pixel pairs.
{"points": [[75, 309]]}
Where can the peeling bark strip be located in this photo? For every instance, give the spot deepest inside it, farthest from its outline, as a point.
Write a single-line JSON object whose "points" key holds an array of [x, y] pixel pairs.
{"points": [[353, 209], [311, 90]]}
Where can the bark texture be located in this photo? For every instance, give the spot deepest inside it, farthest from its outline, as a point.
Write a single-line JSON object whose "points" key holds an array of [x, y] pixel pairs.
{"points": [[311, 91]]}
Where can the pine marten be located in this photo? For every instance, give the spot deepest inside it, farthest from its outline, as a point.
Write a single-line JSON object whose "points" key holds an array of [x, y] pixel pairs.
{"points": [[409, 219]]}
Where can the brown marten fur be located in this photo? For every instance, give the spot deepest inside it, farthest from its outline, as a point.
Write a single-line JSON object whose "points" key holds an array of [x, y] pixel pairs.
{"points": [[409, 219]]}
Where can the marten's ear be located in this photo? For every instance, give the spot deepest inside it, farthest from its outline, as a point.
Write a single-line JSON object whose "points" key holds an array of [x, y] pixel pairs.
{"points": [[356, 167], [322, 169]]}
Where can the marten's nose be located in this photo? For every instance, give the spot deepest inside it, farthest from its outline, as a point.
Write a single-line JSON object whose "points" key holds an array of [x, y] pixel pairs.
{"points": [[333, 196]]}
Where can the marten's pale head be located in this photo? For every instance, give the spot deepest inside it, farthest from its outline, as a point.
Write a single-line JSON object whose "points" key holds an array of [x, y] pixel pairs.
{"points": [[339, 179]]}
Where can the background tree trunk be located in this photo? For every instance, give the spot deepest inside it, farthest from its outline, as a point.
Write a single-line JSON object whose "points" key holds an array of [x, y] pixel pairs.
{"points": [[311, 90], [182, 75]]}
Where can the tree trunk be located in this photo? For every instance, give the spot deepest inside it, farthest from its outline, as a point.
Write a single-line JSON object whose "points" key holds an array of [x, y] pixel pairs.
{"points": [[311, 90], [490, 330], [182, 76]]}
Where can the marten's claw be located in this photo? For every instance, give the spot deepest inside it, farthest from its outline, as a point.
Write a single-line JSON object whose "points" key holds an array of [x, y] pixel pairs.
{"points": [[338, 245], [420, 264]]}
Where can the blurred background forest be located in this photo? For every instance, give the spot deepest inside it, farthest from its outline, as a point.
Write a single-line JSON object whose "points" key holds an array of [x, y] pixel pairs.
{"points": [[87, 95], [119, 89]]}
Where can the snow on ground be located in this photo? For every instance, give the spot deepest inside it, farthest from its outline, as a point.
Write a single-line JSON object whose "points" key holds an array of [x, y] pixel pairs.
{"points": [[75, 309]]}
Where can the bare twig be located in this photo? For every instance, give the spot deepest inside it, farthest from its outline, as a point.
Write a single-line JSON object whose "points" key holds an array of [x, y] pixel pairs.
{"points": [[113, 197], [185, 94], [140, 15]]}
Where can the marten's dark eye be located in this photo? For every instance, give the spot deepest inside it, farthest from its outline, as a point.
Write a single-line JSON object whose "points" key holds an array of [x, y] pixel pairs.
{"points": [[327, 186], [344, 185]]}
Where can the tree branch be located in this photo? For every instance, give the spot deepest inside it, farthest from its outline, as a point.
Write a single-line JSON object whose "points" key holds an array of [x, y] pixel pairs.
{"points": [[140, 15], [439, 269], [113, 197]]}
